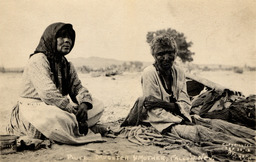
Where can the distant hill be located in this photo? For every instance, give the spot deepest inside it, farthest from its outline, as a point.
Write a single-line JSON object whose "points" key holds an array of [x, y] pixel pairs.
{"points": [[98, 62]]}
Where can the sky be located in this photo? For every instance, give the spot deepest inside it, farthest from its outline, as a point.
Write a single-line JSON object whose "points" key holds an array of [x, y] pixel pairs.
{"points": [[222, 31]]}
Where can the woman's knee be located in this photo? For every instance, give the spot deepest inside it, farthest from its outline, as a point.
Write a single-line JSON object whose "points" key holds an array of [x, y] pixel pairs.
{"points": [[95, 113], [98, 108]]}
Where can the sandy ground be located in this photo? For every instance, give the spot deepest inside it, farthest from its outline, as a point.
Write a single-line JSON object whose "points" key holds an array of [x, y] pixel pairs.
{"points": [[118, 94]]}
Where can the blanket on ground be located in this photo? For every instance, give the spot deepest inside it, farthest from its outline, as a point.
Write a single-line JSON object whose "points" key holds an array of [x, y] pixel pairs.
{"points": [[230, 141], [226, 106]]}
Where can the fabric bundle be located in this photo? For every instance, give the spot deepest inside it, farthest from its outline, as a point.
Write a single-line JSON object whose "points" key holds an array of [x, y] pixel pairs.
{"points": [[226, 106], [217, 150]]}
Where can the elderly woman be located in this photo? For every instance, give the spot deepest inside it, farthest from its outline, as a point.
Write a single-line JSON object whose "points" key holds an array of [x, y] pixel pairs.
{"points": [[165, 104], [44, 108], [165, 97]]}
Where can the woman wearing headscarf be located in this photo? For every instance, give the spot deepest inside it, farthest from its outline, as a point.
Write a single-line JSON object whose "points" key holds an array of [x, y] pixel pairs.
{"points": [[53, 103]]}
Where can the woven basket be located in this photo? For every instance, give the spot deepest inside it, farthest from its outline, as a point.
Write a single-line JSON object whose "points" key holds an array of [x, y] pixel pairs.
{"points": [[8, 144]]}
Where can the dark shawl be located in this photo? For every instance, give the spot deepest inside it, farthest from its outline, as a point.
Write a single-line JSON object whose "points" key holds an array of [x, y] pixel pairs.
{"points": [[58, 63]]}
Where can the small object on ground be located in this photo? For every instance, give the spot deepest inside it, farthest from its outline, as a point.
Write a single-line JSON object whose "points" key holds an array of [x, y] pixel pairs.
{"points": [[105, 131], [28, 143], [8, 144]]}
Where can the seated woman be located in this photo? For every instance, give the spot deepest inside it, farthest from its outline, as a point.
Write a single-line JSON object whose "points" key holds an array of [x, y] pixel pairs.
{"points": [[165, 104], [44, 108]]}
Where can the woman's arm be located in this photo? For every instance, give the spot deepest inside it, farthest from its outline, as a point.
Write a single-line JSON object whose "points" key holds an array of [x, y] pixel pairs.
{"points": [[78, 92], [153, 95], [152, 102], [40, 75], [150, 84]]}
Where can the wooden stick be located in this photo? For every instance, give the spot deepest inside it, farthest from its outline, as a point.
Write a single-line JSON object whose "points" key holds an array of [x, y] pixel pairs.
{"points": [[206, 82]]}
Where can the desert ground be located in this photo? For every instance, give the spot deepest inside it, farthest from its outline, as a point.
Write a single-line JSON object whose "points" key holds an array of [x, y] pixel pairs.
{"points": [[118, 94]]}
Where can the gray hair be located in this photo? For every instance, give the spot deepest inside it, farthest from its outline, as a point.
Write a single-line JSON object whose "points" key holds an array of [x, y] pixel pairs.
{"points": [[163, 42]]}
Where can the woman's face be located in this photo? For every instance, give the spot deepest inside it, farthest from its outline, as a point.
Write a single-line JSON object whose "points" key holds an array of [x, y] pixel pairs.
{"points": [[64, 42], [165, 59]]}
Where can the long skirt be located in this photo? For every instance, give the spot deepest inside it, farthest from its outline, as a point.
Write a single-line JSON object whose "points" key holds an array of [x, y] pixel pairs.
{"points": [[35, 119]]}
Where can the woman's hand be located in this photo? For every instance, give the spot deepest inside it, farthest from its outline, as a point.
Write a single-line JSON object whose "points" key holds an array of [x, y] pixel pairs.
{"points": [[71, 108], [151, 102], [81, 114]]}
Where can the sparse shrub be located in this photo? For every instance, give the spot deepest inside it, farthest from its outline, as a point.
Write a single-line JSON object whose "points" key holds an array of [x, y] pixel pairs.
{"points": [[238, 70]]}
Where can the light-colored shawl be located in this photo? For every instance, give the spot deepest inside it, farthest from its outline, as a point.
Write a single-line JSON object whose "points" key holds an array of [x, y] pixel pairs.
{"points": [[151, 85]]}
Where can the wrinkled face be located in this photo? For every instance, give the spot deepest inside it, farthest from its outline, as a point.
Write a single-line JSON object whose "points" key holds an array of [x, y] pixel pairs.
{"points": [[64, 42], [165, 59]]}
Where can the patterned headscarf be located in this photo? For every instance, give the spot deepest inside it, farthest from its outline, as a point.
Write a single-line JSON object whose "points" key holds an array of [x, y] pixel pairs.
{"points": [[58, 63]]}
